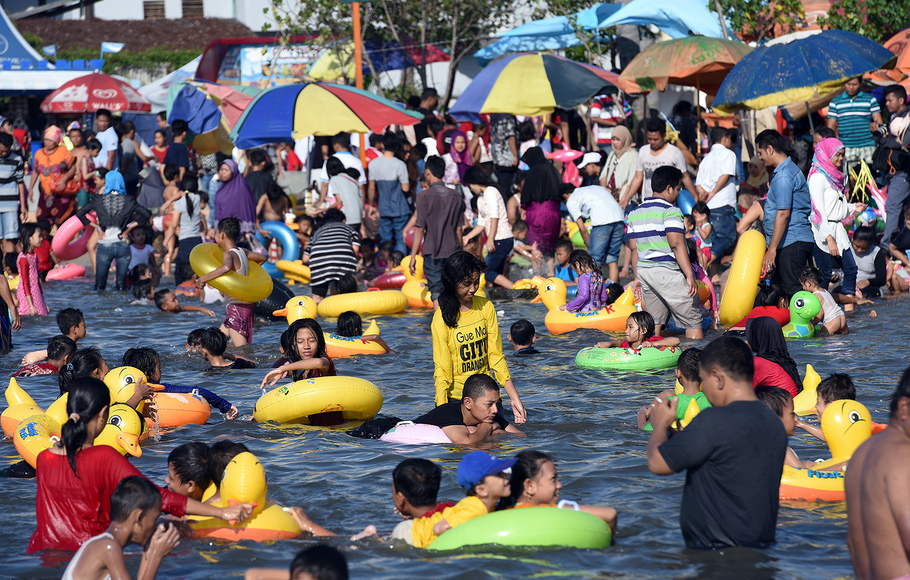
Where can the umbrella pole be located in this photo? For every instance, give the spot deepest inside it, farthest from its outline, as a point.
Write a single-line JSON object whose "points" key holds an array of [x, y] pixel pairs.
{"points": [[809, 114]]}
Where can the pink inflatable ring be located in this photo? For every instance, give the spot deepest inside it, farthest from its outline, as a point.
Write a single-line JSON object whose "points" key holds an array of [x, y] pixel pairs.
{"points": [[67, 272], [66, 233]]}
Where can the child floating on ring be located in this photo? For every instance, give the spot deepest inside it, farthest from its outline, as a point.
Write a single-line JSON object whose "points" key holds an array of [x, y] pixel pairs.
{"points": [[350, 325], [639, 334]]}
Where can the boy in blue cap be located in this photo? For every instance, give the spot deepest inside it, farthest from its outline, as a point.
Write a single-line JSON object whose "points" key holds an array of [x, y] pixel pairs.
{"points": [[485, 478]]}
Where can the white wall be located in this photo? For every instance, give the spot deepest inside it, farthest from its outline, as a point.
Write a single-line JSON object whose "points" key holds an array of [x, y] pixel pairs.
{"points": [[118, 10], [218, 8]]}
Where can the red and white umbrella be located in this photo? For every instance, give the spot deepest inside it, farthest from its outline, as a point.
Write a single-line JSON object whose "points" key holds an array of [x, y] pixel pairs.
{"points": [[95, 91]]}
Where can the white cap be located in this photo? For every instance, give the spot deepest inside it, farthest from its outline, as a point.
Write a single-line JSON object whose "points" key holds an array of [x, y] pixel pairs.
{"points": [[589, 158]]}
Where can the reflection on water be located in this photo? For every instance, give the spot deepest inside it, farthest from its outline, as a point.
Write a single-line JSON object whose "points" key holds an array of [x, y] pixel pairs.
{"points": [[586, 419]]}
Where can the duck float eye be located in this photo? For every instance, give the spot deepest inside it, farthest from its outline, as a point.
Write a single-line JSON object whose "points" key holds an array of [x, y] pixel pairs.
{"points": [[800, 303], [129, 380], [116, 421], [855, 416]]}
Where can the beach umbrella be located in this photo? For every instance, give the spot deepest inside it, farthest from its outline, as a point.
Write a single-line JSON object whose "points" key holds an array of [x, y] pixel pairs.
{"points": [[210, 110], [531, 84], [87, 94], [301, 110], [799, 71], [693, 61], [337, 61], [587, 19], [676, 18]]}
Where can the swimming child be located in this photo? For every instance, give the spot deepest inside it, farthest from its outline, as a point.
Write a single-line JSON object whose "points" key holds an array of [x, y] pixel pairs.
{"points": [[562, 269], [781, 403], [71, 325], [319, 562], [143, 292], [485, 479], [29, 293], [135, 507], [189, 469], [166, 301], [534, 483], [350, 325], [306, 356], [689, 379], [592, 290], [770, 301], [140, 252], [148, 361], [531, 252], [415, 487], [832, 317], [220, 454], [59, 351], [238, 322], [834, 387], [86, 362], [639, 334], [523, 335], [212, 345]]}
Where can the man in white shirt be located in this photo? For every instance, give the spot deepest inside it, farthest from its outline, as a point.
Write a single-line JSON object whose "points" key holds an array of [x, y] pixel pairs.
{"points": [[597, 204], [716, 186], [341, 143], [657, 153], [108, 138]]}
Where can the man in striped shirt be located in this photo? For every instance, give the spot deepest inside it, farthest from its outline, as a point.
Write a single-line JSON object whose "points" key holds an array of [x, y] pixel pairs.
{"points": [[12, 193], [660, 260], [854, 115]]}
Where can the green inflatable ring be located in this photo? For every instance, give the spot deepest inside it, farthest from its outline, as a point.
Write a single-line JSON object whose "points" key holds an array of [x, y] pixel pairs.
{"points": [[628, 359], [578, 241], [520, 260], [535, 526]]}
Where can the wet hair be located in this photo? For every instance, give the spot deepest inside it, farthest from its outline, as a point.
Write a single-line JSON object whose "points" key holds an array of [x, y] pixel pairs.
{"points": [[142, 289], [334, 166], [731, 355], [528, 466], [170, 172], [826, 132], [773, 139], [93, 145], [143, 358], [161, 297], [774, 397], [347, 284], [477, 385], [320, 562], [220, 454], [436, 166], [656, 125], [68, 318], [334, 215], [292, 353], [898, 91], [522, 332], [214, 341], [87, 398], [396, 257], [687, 364], [349, 324], [185, 270], [192, 462], [82, 364], [702, 208], [189, 184], [459, 268], [614, 291], [865, 234], [836, 387], [60, 346], [769, 294], [343, 140], [230, 226], [195, 336], [813, 274], [133, 492], [664, 178], [179, 126], [520, 226], [645, 323], [581, 259], [26, 231], [565, 244], [418, 481]]}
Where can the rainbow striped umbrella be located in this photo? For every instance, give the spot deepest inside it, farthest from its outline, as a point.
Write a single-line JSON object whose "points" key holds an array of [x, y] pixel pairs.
{"points": [[531, 84], [301, 110]]}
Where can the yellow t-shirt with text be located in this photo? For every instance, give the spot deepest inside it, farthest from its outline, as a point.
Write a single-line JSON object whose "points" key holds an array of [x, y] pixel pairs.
{"points": [[465, 510]]}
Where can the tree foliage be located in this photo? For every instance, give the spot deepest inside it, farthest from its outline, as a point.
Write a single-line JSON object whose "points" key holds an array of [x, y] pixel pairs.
{"points": [[756, 19], [877, 20]]}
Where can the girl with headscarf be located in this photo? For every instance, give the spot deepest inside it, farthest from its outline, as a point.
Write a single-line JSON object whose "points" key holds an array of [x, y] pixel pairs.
{"points": [[234, 198], [827, 190], [757, 181], [773, 365], [540, 199], [620, 166], [458, 159], [55, 166], [117, 213]]}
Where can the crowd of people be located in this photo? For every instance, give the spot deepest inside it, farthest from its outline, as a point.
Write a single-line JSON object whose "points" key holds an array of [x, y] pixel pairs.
{"points": [[469, 198]]}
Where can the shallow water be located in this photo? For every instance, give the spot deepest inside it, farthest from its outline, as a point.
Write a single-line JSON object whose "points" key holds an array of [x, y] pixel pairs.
{"points": [[586, 419]]}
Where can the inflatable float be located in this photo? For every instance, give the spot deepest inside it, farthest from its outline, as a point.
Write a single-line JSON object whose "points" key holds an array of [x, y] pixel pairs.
{"points": [[67, 272], [244, 481], [409, 433], [610, 318], [289, 243], [296, 272], [345, 346], [804, 403], [532, 526], [257, 286], [178, 409], [296, 308], [65, 244], [376, 302], [279, 297], [628, 359], [742, 284], [390, 281], [353, 398], [804, 306], [846, 425]]}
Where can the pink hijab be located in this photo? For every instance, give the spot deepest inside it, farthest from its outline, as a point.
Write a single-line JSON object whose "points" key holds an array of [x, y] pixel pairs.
{"points": [[463, 160], [821, 163]]}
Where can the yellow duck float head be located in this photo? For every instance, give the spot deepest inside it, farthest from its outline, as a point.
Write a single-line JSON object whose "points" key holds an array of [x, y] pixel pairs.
{"points": [[846, 425], [123, 429], [298, 307], [19, 406], [122, 383], [611, 317]]}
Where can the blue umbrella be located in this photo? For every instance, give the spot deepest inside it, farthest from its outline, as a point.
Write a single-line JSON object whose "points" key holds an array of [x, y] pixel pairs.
{"points": [[587, 19], [677, 18], [201, 114], [799, 71], [530, 43]]}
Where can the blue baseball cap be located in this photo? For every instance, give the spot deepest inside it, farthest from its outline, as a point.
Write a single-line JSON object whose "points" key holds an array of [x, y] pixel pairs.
{"points": [[477, 465]]}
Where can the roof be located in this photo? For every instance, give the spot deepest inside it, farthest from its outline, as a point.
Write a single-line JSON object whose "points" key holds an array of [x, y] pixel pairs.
{"points": [[136, 35], [12, 46]]}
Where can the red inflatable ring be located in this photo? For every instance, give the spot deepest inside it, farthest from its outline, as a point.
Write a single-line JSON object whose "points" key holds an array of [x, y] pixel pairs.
{"points": [[67, 232]]}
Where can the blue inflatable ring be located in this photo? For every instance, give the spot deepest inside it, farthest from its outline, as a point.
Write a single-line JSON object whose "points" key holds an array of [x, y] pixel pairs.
{"points": [[288, 240]]}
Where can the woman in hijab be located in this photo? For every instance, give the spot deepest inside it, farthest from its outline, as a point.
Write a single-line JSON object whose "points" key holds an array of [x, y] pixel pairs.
{"points": [[459, 157], [234, 198], [827, 190], [117, 214], [540, 199], [773, 365], [620, 167], [757, 181], [55, 166]]}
